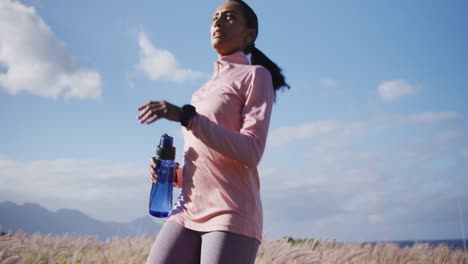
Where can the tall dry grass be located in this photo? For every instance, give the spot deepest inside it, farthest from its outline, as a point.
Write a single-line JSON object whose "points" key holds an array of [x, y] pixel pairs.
{"points": [[331, 252], [23, 248], [36, 249]]}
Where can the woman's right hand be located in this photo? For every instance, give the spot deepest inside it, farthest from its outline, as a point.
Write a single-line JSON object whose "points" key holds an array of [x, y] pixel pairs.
{"points": [[153, 175]]}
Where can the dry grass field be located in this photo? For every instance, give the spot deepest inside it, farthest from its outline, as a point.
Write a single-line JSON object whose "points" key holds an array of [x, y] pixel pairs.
{"points": [[35, 249]]}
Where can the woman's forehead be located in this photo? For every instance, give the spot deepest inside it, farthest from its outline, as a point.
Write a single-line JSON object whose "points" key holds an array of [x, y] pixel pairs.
{"points": [[229, 6]]}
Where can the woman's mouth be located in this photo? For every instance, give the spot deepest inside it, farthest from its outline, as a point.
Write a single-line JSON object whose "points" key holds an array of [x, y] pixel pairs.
{"points": [[218, 33]]}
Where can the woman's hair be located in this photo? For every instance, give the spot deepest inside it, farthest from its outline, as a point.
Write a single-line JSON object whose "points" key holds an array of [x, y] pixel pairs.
{"points": [[257, 57]]}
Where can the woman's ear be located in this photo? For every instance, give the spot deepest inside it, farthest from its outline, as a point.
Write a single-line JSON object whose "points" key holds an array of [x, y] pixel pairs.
{"points": [[251, 35]]}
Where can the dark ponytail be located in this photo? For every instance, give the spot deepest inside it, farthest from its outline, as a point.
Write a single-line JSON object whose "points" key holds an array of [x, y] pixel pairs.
{"points": [[257, 57]]}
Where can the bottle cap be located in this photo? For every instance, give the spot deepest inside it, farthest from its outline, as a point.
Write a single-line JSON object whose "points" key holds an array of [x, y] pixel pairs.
{"points": [[165, 149]]}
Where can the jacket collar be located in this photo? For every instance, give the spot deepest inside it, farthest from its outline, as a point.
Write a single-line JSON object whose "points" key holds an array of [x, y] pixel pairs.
{"points": [[237, 58], [226, 62]]}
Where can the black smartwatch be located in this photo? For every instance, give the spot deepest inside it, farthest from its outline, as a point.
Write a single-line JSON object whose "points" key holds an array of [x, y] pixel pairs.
{"points": [[188, 112]]}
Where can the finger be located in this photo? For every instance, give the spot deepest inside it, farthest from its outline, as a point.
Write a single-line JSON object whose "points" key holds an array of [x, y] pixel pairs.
{"points": [[156, 116], [153, 162], [153, 175], [144, 109], [153, 180], [149, 113], [151, 120], [153, 171], [145, 113], [144, 106]]}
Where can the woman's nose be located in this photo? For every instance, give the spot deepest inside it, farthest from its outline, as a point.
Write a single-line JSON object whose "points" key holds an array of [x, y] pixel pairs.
{"points": [[217, 21]]}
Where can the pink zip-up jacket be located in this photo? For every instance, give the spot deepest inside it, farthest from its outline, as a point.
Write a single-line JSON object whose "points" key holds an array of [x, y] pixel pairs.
{"points": [[224, 143]]}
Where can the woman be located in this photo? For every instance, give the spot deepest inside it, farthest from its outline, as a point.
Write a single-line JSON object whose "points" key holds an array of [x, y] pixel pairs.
{"points": [[218, 216]]}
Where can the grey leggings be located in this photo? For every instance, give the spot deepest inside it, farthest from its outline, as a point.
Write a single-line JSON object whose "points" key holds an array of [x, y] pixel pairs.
{"points": [[176, 244]]}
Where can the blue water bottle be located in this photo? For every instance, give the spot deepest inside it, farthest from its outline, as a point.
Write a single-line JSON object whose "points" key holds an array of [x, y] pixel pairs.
{"points": [[160, 202]]}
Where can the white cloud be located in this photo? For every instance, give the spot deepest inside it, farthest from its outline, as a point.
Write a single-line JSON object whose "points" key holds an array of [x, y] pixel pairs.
{"points": [[328, 82], [285, 135], [33, 60], [374, 218], [161, 64], [391, 91], [385, 122], [434, 117], [323, 130], [98, 188], [349, 181], [327, 200]]}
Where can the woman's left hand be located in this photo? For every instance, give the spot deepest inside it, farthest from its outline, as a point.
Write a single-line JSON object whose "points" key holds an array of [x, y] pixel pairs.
{"points": [[155, 110]]}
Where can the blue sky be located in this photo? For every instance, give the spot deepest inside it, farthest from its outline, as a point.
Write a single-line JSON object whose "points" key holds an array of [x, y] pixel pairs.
{"points": [[369, 144]]}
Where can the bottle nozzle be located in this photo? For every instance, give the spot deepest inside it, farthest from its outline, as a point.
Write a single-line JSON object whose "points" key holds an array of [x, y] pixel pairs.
{"points": [[166, 150], [166, 142]]}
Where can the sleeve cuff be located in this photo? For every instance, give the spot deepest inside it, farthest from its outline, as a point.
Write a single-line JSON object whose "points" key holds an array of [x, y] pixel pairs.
{"points": [[179, 178]]}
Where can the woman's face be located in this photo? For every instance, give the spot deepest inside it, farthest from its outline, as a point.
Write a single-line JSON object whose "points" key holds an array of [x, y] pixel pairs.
{"points": [[229, 32]]}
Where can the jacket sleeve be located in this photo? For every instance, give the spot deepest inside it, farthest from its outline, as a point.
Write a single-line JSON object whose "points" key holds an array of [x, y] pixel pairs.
{"points": [[248, 144]]}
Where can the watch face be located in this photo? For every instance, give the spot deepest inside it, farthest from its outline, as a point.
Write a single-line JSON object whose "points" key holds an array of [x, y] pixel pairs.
{"points": [[188, 108], [188, 112]]}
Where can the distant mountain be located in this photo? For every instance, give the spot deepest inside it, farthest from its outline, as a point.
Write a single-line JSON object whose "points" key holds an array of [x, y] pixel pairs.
{"points": [[32, 218]]}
